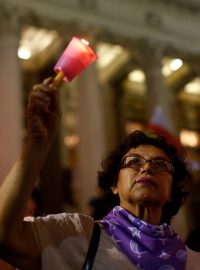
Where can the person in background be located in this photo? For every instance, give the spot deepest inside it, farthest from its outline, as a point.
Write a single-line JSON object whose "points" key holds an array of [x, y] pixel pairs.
{"points": [[99, 205], [146, 179], [34, 206], [193, 239]]}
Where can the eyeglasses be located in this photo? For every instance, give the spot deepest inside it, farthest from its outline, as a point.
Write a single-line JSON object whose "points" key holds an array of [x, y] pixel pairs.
{"points": [[137, 162]]}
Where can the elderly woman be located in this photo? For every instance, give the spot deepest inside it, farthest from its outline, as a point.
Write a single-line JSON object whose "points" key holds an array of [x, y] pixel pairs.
{"points": [[145, 180]]}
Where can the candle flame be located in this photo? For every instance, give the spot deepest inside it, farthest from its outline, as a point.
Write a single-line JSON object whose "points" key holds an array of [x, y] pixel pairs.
{"points": [[84, 41]]}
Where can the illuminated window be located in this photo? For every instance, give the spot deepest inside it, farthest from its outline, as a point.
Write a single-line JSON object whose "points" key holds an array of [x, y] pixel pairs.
{"points": [[136, 75], [171, 65], [190, 138]]}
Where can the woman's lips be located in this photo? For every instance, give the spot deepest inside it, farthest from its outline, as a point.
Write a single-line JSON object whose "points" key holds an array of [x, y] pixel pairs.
{"points": [[146, 181]]}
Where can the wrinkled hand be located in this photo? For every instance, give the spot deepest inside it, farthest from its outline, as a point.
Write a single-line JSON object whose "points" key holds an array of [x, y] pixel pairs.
{"points": [[43, 113]]}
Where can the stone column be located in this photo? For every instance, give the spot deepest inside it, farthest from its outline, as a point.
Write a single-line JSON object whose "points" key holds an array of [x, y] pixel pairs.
{"points": [[160, 99], [91, 131], [159, 96], [10, 89]]}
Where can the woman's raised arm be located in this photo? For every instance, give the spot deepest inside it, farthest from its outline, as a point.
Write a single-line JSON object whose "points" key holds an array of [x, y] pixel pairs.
{"points": [[17, 244]]}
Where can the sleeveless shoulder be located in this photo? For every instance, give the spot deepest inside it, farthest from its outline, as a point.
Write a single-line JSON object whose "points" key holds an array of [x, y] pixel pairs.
{"points": [[62, 239], [55, 227]]}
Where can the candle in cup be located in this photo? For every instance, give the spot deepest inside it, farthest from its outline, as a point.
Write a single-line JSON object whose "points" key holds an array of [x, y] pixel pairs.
{"points": [[77, 56]]}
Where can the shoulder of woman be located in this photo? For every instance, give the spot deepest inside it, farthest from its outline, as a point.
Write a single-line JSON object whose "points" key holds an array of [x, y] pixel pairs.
{"points": [[64, 222], [61, 217]]}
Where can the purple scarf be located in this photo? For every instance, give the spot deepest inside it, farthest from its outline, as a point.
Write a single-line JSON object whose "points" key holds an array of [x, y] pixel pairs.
{"points": [[148, 246]]}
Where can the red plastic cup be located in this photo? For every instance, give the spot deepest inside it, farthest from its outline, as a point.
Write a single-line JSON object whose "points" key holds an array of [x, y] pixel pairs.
{"points": [[76, 57]]}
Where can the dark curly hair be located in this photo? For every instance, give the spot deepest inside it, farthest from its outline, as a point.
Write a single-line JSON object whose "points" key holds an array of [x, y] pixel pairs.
{"points": [[182, 177]]}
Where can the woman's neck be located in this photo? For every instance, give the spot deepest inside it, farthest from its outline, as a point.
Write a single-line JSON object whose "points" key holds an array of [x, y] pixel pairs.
{"points": [[150, 214]]}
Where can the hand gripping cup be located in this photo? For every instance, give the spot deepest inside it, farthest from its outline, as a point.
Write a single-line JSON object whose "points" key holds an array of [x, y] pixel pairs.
{"points": [[77, 56]]}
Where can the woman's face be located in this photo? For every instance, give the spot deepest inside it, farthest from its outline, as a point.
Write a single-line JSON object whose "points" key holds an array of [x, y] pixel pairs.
{"points": [[142, 181]]}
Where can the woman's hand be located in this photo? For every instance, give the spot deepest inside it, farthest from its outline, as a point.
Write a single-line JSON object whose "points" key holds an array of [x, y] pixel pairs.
{"points": [[43, 113]]}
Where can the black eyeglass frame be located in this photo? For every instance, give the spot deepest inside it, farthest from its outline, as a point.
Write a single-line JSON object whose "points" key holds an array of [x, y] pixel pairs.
{"points": [[168, 166]]}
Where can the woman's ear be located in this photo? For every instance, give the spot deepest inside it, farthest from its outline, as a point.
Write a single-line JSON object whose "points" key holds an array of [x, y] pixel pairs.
{"points": [[114, 190]]}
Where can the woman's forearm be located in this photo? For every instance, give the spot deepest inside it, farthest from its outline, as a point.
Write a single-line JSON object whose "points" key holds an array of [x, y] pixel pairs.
{"points": [[42, 123], [18, 184]]}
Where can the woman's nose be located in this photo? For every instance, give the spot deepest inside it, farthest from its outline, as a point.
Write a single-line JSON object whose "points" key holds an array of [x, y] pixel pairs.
{"points": [[146, 167]]}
